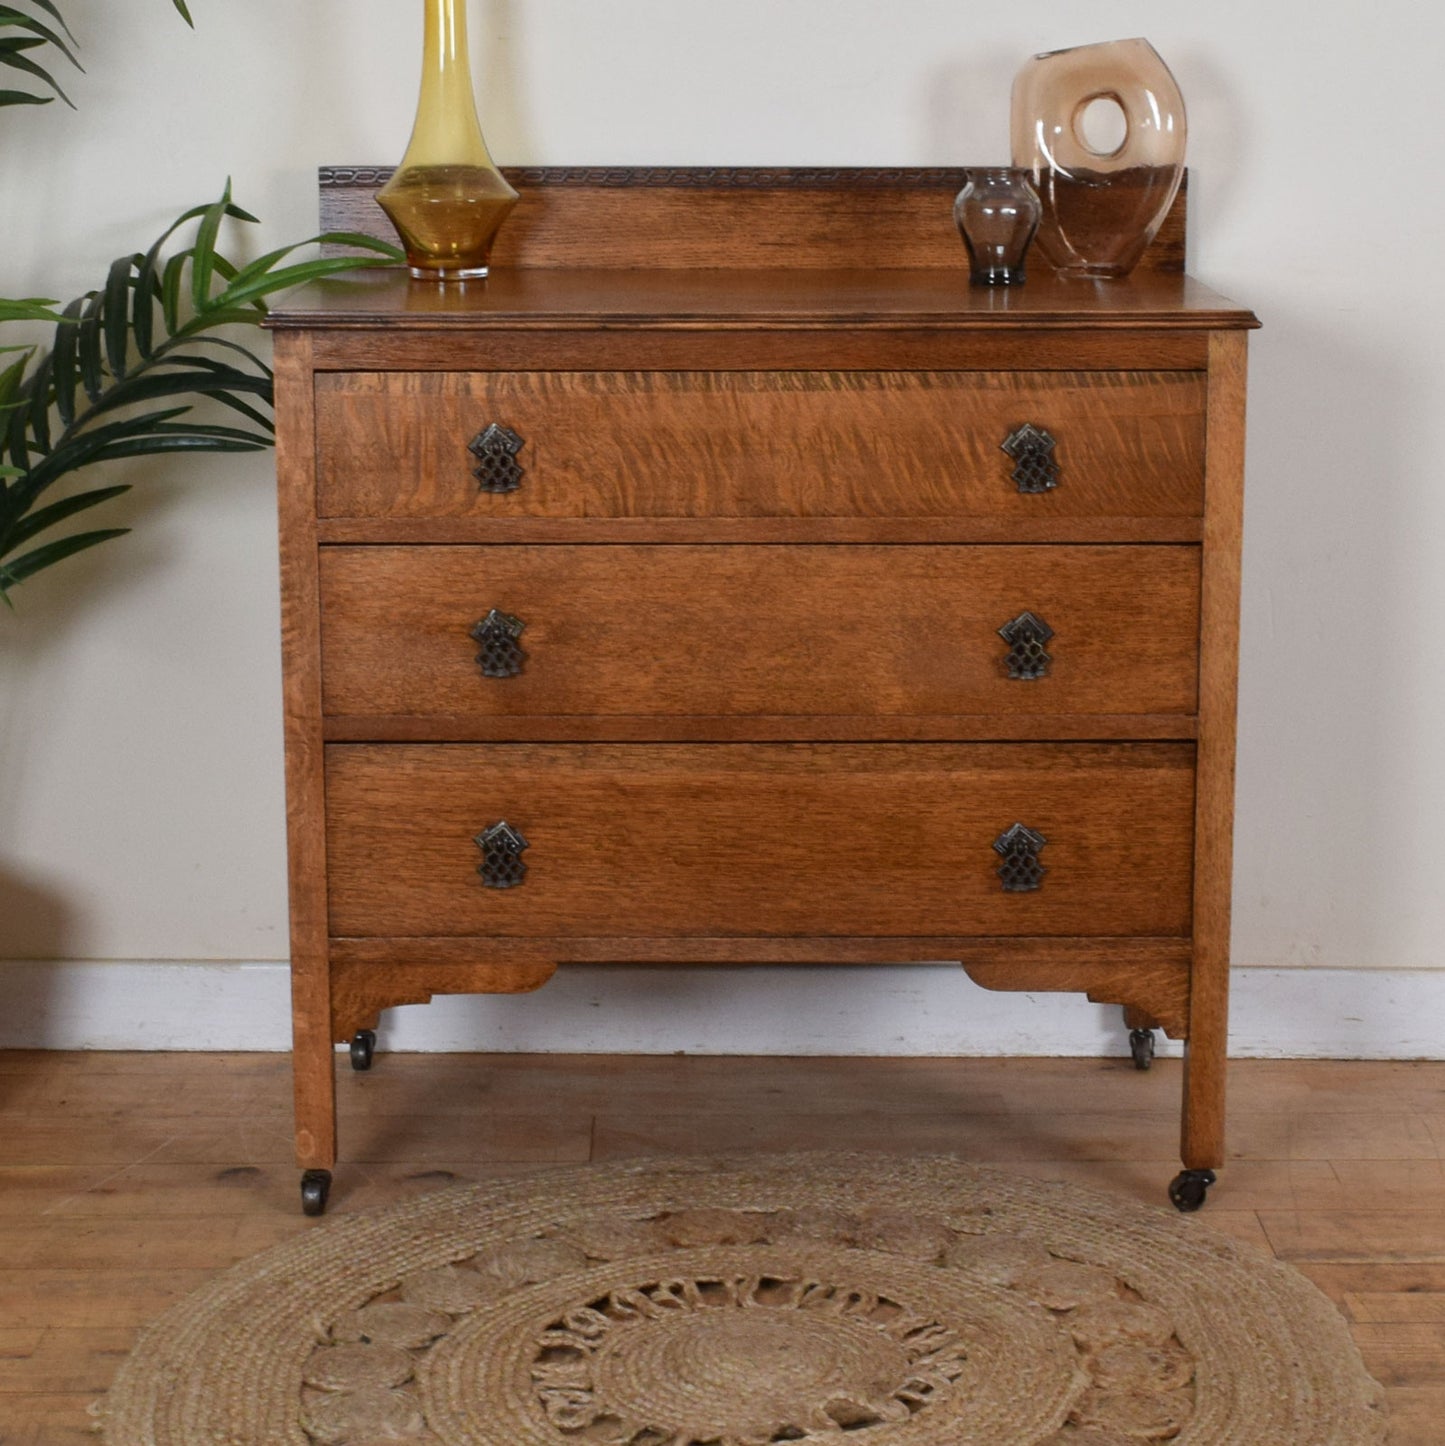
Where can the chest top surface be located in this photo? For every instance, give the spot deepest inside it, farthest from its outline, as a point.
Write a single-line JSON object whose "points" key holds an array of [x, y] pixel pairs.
{"points": [[682, 249], [707, 298]]}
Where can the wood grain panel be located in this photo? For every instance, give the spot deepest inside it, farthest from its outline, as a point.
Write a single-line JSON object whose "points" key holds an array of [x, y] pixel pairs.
{"points": [[358, 995], [748, 840], [736, 631], [431, 531], [1155, 989], [1136, 971], [760, 444], [1016, 957], [648, 216], [757, 728], [375, 340]]}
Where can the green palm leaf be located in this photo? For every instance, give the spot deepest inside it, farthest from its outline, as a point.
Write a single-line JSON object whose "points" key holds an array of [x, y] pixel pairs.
{"points": [[11, 378], [18, 569], [38, 520], [20, 30], [20, 33], [65, 371], [10, 17], [31, 308], [50, 9], [127, 363]]}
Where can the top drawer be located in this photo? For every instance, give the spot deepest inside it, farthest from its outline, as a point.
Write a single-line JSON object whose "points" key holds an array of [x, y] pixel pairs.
{"points": [[925, 445]]}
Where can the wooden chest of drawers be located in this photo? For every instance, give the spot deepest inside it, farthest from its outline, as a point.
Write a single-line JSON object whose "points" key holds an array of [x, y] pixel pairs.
{"points": [[766, 604]]}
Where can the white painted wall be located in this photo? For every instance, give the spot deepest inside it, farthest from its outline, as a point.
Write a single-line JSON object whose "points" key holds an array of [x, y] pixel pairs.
{"points": [[140, 757]]}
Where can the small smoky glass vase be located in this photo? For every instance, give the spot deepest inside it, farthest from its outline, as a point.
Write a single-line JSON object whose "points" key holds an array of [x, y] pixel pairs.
{"points": [[997, 214]]}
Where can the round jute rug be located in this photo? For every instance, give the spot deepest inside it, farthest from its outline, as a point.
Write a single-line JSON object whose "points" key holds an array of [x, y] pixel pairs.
{"points": [[817, 1298]]}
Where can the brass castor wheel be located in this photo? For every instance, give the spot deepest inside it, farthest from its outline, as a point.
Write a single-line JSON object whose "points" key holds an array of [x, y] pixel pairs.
{"points": [[363, 1048], [1189, 1187], [1141, 1046], [315, 1187]]}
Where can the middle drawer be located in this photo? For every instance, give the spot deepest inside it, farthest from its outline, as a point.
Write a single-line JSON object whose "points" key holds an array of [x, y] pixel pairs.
{"points": [[663, 631]]}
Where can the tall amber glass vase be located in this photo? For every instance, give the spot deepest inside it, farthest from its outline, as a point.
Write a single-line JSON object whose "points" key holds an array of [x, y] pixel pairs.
{"points": [[447, 199]]}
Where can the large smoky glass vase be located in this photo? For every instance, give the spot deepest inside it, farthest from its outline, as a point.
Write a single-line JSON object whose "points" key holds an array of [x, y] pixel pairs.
{"points": [[1100, 129]]}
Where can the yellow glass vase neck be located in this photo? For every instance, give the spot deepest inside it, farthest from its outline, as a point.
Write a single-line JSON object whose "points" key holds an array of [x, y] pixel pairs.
{"points": [[447, 199], [447, 129]]}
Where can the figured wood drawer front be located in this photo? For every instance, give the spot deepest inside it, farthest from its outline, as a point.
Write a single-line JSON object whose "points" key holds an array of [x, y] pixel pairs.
{"points": [[758, 444], [848, 840], [737, 631]]}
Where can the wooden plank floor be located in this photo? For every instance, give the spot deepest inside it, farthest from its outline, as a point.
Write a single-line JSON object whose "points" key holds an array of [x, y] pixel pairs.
{"points": [[130, 1179]]}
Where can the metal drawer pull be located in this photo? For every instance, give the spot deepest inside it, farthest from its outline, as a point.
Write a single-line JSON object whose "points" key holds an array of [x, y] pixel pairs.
{"points": [[1020, 870], [1032, 449], [501, 655], [1026, 636], [497, 468], [501, 866]]}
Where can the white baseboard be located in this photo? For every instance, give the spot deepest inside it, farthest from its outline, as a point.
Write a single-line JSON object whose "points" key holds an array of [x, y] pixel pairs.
{"points": [[929, 1009]]}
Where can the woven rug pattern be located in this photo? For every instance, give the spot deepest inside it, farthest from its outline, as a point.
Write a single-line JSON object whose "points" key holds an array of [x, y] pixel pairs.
{"points": [[815, 1298]]}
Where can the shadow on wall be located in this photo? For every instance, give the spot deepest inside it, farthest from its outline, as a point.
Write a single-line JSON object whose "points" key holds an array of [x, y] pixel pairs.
{"points": [[35, 923], [38, 920], [1333, 690], [1220, 117], [54, 603], [35, 919]]}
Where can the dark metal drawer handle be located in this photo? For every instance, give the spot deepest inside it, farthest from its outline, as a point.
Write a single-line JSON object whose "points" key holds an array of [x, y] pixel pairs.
{"points": [[1026, 636], [501, 866], [495, 449], [1032, 449], [1020, 870], [501, 655]]}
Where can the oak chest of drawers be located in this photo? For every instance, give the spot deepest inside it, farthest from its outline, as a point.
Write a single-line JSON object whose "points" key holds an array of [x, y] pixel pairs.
{"points": [[726, 580]]}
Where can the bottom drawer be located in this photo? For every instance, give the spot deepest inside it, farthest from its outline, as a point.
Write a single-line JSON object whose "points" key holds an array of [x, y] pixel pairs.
{"points": [[646, 841]]}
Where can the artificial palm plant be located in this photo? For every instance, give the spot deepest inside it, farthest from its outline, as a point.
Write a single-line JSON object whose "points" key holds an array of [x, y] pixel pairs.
{"points": [[129, 359]]}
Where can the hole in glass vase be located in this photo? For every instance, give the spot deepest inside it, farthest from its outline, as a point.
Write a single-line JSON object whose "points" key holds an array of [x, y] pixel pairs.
{"points": [[1101, 126]]}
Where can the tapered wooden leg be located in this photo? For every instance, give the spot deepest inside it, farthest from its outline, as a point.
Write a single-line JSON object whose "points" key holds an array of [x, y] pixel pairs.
{"points": [[313, 1059], [313, 1068], [1202, 1142]]}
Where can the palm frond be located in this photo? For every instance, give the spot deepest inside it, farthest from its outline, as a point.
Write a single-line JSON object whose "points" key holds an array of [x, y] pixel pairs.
{"points": [[126, 364], [30, 308], [14, 570], [22, 32]]}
